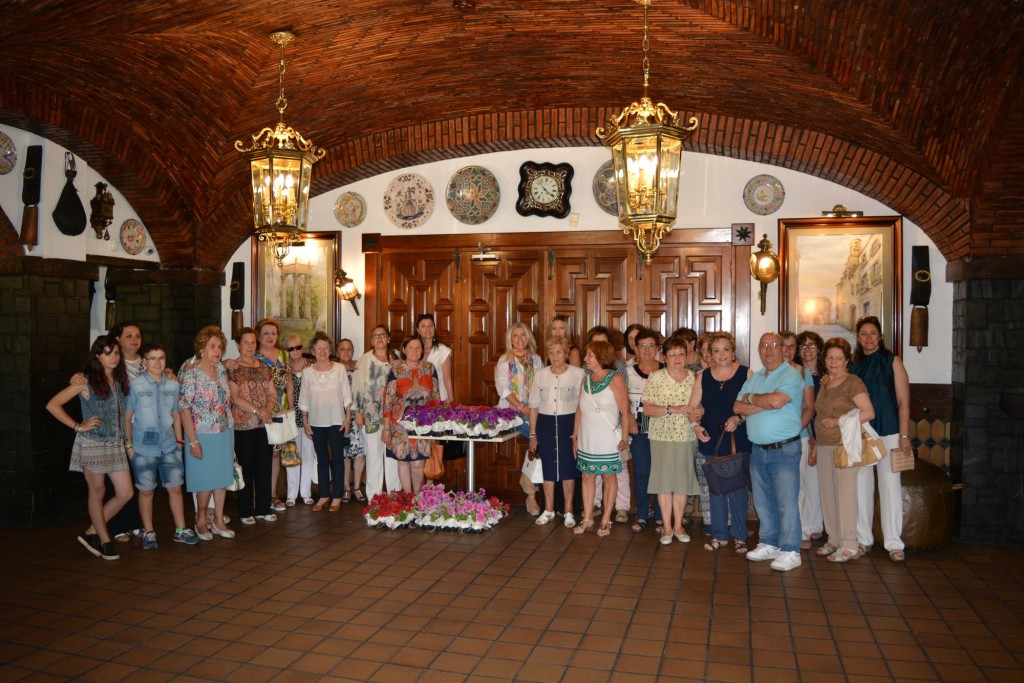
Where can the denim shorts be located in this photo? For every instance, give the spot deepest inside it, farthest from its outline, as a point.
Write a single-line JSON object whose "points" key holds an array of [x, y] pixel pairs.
{"points": [[145, 467]]}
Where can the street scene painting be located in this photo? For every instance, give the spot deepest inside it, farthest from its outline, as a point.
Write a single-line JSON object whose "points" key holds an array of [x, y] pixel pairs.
{"points": [[838, 270]]}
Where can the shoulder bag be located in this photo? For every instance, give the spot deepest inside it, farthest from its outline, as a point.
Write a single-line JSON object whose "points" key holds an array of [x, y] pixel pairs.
{"points": [[727, 473]]}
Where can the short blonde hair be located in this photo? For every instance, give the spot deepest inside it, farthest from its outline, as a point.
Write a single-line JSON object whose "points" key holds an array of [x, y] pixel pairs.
{"points": [[552, 342], [203, 337]]}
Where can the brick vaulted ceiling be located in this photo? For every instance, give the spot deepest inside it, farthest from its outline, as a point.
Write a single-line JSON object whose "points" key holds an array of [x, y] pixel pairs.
{"points": [[915, 103]]}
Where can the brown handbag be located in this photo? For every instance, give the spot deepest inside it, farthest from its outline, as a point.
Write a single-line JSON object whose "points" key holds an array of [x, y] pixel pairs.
{"points": [[900, 461], [434, 467]]}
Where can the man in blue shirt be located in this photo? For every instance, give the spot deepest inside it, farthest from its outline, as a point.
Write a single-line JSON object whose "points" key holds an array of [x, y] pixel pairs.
{"points": [[771, 401]]}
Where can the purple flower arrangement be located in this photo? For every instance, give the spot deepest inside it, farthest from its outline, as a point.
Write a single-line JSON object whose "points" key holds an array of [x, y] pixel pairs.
{"points": [[460, 421]]}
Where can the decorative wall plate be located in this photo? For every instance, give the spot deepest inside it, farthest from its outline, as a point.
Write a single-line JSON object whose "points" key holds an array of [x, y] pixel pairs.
{"points": [[604, 189], [350, 209], [133, 237], [472, 195], [763, 194], [8, 154], [409, 200]]}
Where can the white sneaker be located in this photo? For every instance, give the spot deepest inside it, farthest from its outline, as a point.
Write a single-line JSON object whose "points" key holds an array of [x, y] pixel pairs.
{"points": [[762, 552], [570, 521], [544, 518], [786, 561]]}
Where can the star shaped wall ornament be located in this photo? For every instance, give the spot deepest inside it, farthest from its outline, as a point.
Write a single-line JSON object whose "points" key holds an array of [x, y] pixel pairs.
{"points": [[742, 234]]}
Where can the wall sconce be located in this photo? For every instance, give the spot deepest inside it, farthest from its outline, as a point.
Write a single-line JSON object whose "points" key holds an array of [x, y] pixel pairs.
{"points": [[346, 288], [102, 212], [839, 211], [764, 267]]}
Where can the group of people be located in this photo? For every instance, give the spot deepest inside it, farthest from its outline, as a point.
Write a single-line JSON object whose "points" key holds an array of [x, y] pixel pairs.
{"points": [[669, 408], [672, 406]]}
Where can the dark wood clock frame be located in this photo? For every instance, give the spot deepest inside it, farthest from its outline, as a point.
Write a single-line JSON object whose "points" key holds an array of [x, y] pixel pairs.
{"points": [[562, 173]]}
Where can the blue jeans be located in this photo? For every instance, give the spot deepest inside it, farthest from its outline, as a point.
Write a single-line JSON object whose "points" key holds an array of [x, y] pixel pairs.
{"points": [[775, 479], [731, 506], [329, 444], [640, 449]]}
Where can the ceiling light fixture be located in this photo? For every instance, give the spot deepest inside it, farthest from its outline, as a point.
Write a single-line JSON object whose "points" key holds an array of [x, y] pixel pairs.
{"points": [[281, 161], [646, 142]]}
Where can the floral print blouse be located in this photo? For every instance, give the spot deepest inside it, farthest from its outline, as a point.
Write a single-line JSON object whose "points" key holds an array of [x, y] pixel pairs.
{"points": [[208, 399], [256, 386], [662, 390], [279, 373], [369, 380]]}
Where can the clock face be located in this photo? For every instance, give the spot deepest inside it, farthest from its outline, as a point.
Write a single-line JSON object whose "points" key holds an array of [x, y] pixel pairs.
{"points": [[544, 189], [8, 154]]}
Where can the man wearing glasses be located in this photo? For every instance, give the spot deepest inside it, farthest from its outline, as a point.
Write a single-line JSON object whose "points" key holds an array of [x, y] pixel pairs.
{"points": [[771, 401]]}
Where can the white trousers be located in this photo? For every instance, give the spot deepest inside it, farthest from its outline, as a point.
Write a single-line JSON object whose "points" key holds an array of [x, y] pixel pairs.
{"points": [[810, 496], [890, 500], [300, 477], [380, 469], [623, 496]]}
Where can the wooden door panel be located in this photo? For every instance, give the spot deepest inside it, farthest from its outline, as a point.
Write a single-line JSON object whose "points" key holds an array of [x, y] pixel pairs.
{"points": [[412, 284]]}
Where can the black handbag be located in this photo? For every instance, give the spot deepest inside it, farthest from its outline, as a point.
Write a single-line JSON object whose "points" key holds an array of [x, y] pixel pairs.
{"points": [[727, 473]]}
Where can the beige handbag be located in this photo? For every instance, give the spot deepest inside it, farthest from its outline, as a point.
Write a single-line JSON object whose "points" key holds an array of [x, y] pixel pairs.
{"points": [[900, 461], [871, 451]]}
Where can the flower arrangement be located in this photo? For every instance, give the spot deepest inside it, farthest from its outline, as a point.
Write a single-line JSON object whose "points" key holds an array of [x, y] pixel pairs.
{"points": [[436, 509], [393, 509], [439, 419]]}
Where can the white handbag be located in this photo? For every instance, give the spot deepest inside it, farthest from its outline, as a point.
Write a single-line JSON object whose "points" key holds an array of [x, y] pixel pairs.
{"points": [[282, 428], [533, 469]]}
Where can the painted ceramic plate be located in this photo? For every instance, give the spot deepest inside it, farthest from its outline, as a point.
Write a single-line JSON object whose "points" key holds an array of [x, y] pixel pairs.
{"points": [[604, 189], [763, 194], [8, 154], [350, 209], [472, 195], [133, 237], [409, 201]]}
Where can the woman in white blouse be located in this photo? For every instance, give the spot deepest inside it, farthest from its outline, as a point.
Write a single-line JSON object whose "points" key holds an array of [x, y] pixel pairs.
{"points": [[513, 379], [324, 402], [553, 400], [436, 353]]}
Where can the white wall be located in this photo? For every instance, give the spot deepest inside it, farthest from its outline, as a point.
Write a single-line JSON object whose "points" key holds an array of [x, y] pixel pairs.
{"points": [[711, 195]]}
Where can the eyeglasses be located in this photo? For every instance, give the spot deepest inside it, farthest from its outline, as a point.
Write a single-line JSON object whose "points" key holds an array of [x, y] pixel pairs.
{"points": [[769, 345], [675, 355], [647, 346], [809, 345], [379, 335], [294, 348], [789, 346]]}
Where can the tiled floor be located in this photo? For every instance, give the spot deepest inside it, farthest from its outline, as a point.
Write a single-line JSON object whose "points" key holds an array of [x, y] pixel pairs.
{"points": [[318, 596]]}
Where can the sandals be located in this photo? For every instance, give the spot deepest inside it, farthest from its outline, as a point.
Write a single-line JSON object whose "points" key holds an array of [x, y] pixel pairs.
{"points": [[346, 497], [583, 526], [659, 527], [604, 529], [843, 555], [897, 555], [826, 549], [741, 547], [713, 545], [639, 525], [358, 495]]}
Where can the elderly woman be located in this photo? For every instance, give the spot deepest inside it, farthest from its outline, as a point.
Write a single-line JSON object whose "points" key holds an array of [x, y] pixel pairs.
{"points": [[270, 353], [673, 443], [601, 417], [355, 453], [842, 393], [716, 389], [558, 328], [299, 478], [100, 449], [411, 382], [645, 342], [325, 403], [206, 419], [513, 380], [253, 404], [623, 494], [554, 398], [888, 386], [811, 361], [368, 383]]}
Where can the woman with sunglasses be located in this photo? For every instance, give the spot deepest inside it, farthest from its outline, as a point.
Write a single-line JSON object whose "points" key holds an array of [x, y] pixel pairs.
{"points": [[369, 381], [300, 478], [810, 356]]}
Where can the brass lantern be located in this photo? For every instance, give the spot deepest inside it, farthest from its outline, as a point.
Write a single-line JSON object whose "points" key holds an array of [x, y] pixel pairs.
{"points": [[764, 267], [646, 142], [281, 161]]}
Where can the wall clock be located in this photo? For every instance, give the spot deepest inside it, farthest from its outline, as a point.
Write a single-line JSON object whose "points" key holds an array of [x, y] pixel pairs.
{"points": [[8, 154], [133, 237], [604, 189], [763, 194], [409, 200], [350, 209], [472, 195], [544, 189]]}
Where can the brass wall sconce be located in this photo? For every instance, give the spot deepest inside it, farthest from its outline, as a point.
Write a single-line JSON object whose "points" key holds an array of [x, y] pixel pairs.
{"points": [[346, 288], [840, 211], [764, 267], [102, 214]]}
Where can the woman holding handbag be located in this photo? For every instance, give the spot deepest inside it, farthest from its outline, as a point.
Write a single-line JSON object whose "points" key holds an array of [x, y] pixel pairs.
{"points": [[369, 381], [599, 437], [253, 404], [299, 478], [271, 354], [325, 401], [716, 389], [513, 380], [839, 395]]}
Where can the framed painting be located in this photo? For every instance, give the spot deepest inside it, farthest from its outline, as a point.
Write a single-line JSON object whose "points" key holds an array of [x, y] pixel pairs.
{"points": [[300, 293], [838, 270]]}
